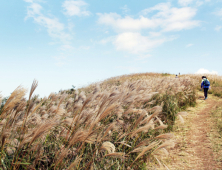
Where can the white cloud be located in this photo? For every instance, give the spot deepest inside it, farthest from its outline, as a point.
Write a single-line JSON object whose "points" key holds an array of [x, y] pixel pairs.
{"points": [[219, 12], [218, 28], [125, 24], [199, 3], [75, 7], [160, 6], [125, 9], [176, 19], [192, 2], [189, 45], [156, 21], [135, 42], [205, 71], [54, 28], [155, 34], [185, 2], [33, 9], [167, 19]]}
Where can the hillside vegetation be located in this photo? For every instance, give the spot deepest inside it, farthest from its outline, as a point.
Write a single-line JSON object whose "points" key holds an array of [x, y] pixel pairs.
{"points": [[121, 123]]}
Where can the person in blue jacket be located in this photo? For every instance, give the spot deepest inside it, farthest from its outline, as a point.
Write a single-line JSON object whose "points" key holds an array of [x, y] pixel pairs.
{"points": [[205, 85]]}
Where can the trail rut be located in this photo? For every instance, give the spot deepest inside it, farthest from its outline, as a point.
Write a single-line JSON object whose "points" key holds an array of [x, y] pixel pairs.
{"points": [[194, 149]]}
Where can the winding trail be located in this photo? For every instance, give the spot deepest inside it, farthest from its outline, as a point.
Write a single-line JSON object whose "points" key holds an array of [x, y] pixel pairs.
{"points": [[194, 145]]}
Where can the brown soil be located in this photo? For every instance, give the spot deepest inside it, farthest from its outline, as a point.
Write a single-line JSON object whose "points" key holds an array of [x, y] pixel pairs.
{"points": [[202, 144], [194, 149]]}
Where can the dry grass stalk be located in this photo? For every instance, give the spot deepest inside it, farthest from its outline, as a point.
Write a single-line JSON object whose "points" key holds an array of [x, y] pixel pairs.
{"points": [[107, 112], [63, 154], [116, 155], [108, 146], [74, 164], [145, 149], [44, 128], [165, 136], [165, 145], [34, 86], [123, 143], [14, 99], [141, 129]]}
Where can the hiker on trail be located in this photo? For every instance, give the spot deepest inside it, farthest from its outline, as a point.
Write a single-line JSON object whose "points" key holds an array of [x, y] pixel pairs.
{"points": [[176, 76], [205, 85]]}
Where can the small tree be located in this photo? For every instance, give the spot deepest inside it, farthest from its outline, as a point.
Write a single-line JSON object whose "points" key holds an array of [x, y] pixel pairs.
{"points": [[3, 103]]}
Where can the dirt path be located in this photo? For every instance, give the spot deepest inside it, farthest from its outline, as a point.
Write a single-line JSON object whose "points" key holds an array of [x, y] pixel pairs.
{"points": [[194, 148]]}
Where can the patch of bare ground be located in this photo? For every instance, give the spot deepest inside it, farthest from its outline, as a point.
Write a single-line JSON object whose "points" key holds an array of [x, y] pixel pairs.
{"points": [[197, 139]]}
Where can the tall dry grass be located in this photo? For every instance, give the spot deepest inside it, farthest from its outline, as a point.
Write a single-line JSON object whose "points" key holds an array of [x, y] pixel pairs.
{"points": [[106, 126]]}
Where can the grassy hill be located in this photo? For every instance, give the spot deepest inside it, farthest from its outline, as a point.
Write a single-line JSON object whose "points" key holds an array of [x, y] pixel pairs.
{"points": [[121, 123]]}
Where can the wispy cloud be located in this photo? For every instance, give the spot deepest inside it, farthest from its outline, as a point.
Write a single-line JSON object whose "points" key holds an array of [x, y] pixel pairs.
{"points": [[218, 12], [58, 31], [189, 45], [107, 40], [125, 9], [218, 28], [54, 27], [192, 2], [75, 7], [66, 47], [185, 2]]}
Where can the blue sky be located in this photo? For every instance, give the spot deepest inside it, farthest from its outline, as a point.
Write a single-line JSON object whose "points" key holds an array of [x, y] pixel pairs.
{"points": [[76, 42]]}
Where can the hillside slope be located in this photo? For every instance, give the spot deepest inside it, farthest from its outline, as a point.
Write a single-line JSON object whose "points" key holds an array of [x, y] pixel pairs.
{"points": [[124, 122], [121, 123]]}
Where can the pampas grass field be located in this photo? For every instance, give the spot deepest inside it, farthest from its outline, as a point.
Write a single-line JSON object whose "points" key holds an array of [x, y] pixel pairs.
{"points": [[121, 123]]}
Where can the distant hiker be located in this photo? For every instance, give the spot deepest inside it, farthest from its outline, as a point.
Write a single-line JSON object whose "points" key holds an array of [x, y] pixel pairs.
{"points": [[205, 85], [176, 76]]}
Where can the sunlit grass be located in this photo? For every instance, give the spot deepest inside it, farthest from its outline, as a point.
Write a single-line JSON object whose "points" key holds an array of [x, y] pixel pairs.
{"points": [[117, 124]]}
